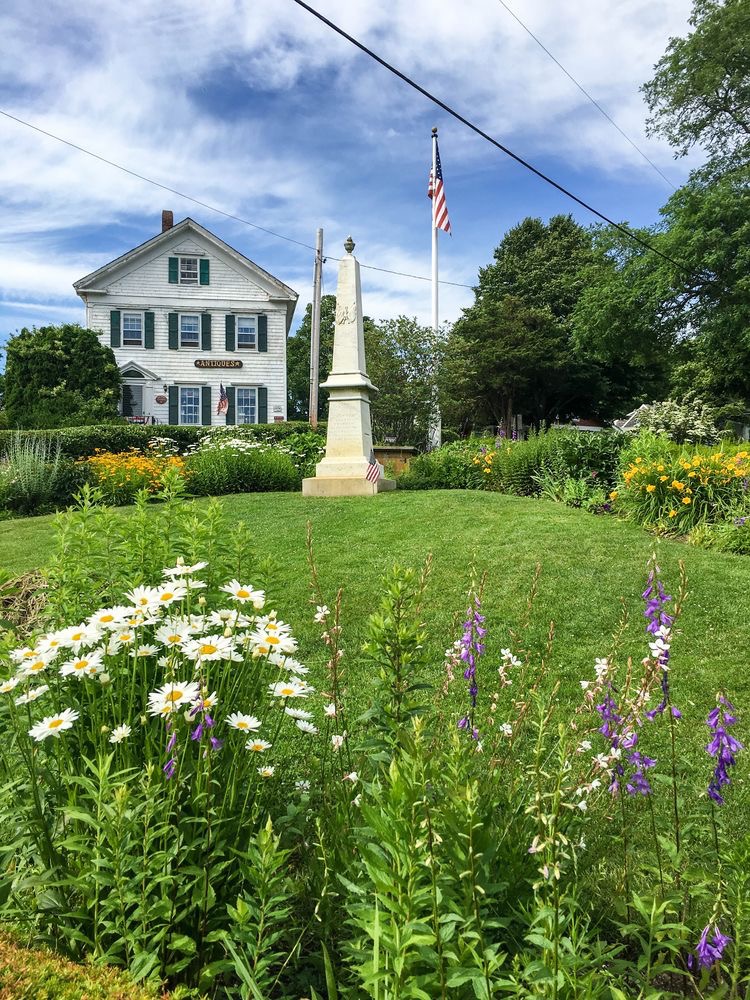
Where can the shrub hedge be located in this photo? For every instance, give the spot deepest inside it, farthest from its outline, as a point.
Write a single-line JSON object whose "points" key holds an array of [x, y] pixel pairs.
{"points": [[80, 442]]}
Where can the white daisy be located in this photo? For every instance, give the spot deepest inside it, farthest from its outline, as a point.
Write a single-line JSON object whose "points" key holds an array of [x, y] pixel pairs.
{"points": [[298, 713], [244, 593], [174, 632], [306, 727], [80, 635], [247, 723], [29, 668], [32, 695], [143, 598], [258, 746], [109, 618], [7, 686], [287, 689], [83, 666], [266, 772], [51, 643], [182, 570], [169, 594], [147, 649], [24, 654], [210, 647], [120, 733], [207, 702], [262, 643], [169, 697], [53, 725]]}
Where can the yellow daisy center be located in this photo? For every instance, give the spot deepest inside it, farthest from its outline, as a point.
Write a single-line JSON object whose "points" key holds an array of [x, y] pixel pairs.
{"points": [[243, 593], [107, 618], [242, 725], [55, 724], [174, 695], [273, 640], [287, 691], [39, 665], [81, 664], [167, 596], [173, 638], [207, 649]]}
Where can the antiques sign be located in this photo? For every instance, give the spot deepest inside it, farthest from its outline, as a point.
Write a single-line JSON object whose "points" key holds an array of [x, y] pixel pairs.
{"points": [[215, 363]]}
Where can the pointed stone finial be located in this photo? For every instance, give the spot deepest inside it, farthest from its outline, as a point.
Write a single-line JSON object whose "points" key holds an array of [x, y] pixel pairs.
{"points": [[349, 245], [434, 130]]}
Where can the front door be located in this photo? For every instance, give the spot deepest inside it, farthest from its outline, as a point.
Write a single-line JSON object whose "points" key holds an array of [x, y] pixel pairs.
{"points": [[132, 400]]}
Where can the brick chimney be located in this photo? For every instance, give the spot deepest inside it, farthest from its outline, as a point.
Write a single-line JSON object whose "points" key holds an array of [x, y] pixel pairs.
{"points": [[167, 220]]}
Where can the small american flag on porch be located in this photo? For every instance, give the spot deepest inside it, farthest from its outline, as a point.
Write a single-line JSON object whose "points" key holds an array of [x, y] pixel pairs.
{"points": [[373, 469], [223, 400]]}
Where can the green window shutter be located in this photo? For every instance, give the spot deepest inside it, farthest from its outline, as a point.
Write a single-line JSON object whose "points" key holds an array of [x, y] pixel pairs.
{"points": [[173, 331], [263, 334], [148, 331], [231, 412], [206, 332], [114, 328], [173, 270], [206, 405], [229, 328], [203, 271], [174, 403], [262, 404]]}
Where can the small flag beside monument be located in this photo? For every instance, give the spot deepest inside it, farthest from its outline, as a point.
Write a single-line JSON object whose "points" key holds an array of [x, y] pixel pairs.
{"points": [[373, 469], [223, 400]]}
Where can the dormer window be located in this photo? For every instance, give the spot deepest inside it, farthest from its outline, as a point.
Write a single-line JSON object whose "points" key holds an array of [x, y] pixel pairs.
{"points": [[188, 270]]}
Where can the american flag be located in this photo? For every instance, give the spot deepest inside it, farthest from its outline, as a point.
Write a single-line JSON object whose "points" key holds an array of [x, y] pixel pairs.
{"points": [[373, 469], [223, 400], [436, 191]]}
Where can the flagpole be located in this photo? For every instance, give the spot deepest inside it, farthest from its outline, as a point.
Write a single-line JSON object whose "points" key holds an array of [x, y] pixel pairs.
{"points": [[434, 239], [435, 428]]}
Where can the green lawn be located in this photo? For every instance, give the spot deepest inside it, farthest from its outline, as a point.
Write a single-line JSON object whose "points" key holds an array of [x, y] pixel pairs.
{"points": [[588, 565]]}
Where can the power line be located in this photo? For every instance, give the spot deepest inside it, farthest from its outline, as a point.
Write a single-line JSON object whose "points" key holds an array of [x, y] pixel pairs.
{"points": [[585, 93], [488, 138], [204, 204], [150, 180]]}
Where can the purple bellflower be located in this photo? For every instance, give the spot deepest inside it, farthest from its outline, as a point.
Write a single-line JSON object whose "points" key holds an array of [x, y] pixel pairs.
{"points": [[710, 952], [471, 648], [659, 624], [723, 746]]}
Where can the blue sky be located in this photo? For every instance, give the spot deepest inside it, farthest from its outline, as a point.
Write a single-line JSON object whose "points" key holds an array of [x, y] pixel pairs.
{"points": [[255, 107]]}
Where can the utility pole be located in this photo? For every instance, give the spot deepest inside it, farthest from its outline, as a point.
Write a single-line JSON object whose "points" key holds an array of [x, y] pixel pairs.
{"points": [[315, 332]]}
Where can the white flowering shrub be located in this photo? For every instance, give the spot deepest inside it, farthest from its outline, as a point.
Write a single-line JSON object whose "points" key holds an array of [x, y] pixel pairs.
{"points": [[684, 421]]}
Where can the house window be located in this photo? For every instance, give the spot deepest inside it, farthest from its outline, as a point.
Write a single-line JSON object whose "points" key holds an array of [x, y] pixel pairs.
{"points": [[247, 328], [247, 411], [190, 405], [190, 331], [188, 270], [132, 329]]}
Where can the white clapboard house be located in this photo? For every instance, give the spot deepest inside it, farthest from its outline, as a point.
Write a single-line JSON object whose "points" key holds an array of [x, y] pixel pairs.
{"points": [[186, 315]]}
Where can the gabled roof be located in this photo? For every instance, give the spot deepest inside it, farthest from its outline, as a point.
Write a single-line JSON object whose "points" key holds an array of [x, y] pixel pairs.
{"points": [[142, 372], [92, 282]]}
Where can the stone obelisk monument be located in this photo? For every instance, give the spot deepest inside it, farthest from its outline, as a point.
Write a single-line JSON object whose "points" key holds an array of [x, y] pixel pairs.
{"points": [[347, 469]]}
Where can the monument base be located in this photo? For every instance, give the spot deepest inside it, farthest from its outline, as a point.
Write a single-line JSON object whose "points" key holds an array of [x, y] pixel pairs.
{"points": [[341, 486]]}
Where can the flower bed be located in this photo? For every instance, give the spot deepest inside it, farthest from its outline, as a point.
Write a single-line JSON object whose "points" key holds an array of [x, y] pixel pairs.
{"points": [[121, 475], [188, 793]]}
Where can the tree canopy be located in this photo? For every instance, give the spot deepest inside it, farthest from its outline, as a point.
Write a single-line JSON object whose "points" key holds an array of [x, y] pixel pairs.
{"points": [[59, 376], [700, 92]]}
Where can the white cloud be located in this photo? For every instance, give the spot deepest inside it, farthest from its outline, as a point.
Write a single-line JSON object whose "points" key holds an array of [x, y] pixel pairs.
{"points": [[256, 107]]}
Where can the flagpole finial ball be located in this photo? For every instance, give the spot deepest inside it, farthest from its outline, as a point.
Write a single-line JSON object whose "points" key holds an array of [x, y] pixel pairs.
{"points": [[434, 130], [349, 245]]}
